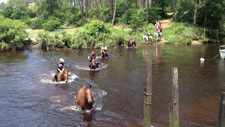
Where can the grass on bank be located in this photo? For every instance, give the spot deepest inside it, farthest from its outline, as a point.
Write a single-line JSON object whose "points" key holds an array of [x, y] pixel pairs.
{"points": [[74, 37], [184, 33]]}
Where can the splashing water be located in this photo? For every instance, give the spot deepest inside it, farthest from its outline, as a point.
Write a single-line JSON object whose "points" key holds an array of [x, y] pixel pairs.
{"points": [[98, 97], [48, 78], [102, 66]]}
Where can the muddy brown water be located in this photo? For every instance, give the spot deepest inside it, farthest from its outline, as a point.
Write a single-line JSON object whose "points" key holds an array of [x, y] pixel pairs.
{"points": [[28, 97]]}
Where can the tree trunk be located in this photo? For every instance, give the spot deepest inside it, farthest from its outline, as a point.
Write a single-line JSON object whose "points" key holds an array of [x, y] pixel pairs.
{"points": [[174, 6], [147, 11], [74, 3], [140, 4], [196, 11], [205, 19], [114, 15], [136, 4], [150, 3], [143, 5], [111, 6], [80, 2], [126, 6], [100, 3], [86, 7], [98, 9]]}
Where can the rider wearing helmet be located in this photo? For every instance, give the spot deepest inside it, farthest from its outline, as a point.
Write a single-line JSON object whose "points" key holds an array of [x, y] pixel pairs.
{"points": [[60, 67]]}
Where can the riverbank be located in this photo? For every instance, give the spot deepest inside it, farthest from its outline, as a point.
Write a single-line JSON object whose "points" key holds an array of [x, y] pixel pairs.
{"points": [[83, 37]]}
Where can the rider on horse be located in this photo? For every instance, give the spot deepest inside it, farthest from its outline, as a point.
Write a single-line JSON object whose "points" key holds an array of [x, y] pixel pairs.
{"points": [[60, 67], [159, 28], [131, 39], [148, 35], [92, 56], [103, 50]]}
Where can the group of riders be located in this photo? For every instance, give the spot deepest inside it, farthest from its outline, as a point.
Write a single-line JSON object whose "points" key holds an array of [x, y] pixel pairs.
{"points": [[158, 28], [104, 54], [91, 57]]}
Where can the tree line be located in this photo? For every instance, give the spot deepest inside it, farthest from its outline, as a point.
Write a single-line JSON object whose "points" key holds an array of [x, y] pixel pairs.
{"points": [[208, 13], [100, 15]]}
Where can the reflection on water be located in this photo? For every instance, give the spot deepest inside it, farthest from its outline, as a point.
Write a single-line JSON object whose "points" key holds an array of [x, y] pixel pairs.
{"points": [[30, 98]]}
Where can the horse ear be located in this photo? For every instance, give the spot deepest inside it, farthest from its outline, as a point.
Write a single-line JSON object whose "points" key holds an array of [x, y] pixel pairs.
{"points": [[90, 86]]}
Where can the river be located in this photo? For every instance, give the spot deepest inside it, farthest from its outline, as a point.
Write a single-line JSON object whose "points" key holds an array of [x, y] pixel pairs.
{"points": [[29, 98]]}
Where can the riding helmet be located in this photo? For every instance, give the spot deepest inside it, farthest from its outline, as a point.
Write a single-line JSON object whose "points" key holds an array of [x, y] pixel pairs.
{"points": [[61, 59]]}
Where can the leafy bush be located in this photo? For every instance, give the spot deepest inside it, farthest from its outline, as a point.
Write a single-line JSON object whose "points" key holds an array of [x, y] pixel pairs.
{"points": [[138, 19], [184, 11], [36, 24], [27, 21], [184, 33], [105, 14], [52, 24], [7, 12], [20, 12], [51, 41], [12, 34]]}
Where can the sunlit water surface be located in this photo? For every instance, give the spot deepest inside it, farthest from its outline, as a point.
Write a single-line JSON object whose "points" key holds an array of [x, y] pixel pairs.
{"points": [[29, 97]]}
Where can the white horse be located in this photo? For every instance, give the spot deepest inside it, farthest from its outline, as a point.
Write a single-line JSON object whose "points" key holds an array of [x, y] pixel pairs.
{"points": [[147, 39], [157, 35]]}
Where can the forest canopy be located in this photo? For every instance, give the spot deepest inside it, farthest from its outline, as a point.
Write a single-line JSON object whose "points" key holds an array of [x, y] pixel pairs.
{"points": [[51, 15]]}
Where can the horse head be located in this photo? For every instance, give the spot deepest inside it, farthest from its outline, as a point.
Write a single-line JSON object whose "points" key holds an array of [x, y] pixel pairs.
{"points": [[65, 74], [93, 62], [89, 96]]}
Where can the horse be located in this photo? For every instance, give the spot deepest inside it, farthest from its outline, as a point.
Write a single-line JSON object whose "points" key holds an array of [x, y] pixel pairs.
{"points": [[147, 38], [63, 76], [104, 54], [157, 35], [93, 64], [85, 98], [129, 44]]}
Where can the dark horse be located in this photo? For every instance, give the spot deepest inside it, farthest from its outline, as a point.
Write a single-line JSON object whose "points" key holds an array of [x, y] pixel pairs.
{"points": [[85, 98], [129, 44], [93, 64], [63, 76], [104, 54]]}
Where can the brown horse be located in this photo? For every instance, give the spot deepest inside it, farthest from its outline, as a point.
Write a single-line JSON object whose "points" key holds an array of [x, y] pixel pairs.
{"points": [[85, 98], [104, 54], [63, 76], [93, 65], [129, 44]]}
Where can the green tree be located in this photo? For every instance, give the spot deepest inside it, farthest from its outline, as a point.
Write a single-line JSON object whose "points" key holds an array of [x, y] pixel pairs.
{"points": [[12, 34], [7, 12]]}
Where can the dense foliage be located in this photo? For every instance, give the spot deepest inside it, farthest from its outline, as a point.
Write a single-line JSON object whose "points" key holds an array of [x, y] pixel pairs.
{"points": [[54, 14], [12, 34], [184, 33]]}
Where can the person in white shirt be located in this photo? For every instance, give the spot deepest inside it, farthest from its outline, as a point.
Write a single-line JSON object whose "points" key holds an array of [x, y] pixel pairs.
{"points": [[104, 51]]}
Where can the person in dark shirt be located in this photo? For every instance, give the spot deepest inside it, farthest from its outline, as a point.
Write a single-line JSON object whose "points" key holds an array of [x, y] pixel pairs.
{"points": [[60, 67], [92, 56]]}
